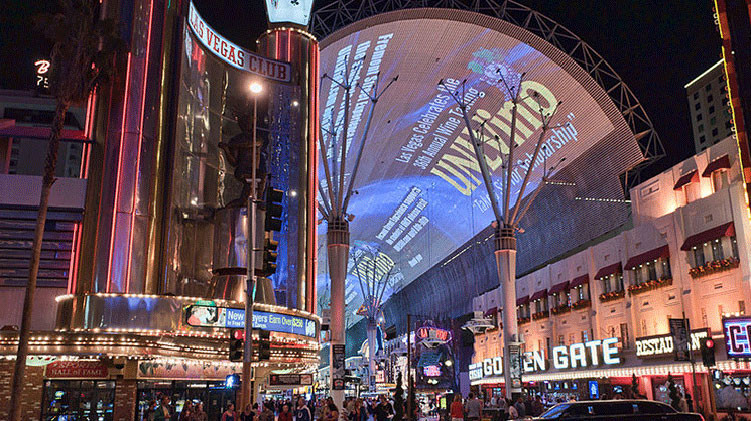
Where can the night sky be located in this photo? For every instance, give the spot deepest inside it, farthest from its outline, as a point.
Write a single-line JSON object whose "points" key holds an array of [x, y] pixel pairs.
{"points": [[655, 46]]}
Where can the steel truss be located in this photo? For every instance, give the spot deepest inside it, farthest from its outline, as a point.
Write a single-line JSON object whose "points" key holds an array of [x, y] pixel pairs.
{"points": [[337, 14]]}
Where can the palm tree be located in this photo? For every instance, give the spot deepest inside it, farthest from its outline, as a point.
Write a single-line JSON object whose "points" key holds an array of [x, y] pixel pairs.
{"points": [[82, 57]]}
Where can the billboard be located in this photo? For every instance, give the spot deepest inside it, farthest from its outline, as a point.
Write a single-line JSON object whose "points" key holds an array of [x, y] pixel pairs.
{"points": [[225, 317], [420, 192], [737, 332]]}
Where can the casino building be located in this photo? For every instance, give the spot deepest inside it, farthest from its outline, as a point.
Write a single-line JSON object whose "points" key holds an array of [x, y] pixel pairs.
{"points": [[144, 253], [601, 315]]}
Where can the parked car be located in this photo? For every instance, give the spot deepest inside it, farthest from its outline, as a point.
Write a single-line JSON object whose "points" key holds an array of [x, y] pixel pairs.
{"points": [[640, 410]]}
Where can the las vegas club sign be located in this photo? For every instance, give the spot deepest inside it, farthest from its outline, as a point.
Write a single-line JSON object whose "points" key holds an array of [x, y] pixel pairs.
{"points": [[289, 11]]}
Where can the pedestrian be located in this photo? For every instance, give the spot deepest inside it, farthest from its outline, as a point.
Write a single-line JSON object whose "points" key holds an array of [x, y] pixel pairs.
{"points": [[333, 412], [285, 415], [229, 414], [537, 407], [358, 413], [266, 414], [164, 410], [474, 408], [384, 411], [247, 414], [302, 413], [457, 409], [187, 413], [519, 405], [199, 414], [150, 412], [513, 413]]}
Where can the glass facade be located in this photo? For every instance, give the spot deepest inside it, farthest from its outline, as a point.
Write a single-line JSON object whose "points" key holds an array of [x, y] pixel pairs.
{"points": [[78, 400]]}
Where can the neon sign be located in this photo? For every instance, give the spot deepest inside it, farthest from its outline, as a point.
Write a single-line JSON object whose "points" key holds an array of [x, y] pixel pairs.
{"points": [[737, 332], [431, 371], [43, 67], [233, 54], [653, 346], [224, 317]]}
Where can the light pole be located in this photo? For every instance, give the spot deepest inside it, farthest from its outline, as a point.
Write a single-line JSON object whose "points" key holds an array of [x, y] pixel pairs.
{"points": [[250, 283]]}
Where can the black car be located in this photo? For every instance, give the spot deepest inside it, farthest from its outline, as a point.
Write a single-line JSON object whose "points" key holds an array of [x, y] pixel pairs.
{"points": [[641, 410]]}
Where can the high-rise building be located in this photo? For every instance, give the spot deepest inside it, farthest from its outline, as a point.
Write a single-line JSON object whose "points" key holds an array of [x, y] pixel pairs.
{"points": [[711, 117]]}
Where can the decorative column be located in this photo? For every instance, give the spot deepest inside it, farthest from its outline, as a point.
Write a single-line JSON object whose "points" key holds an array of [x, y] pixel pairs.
{"points": [[505, 258], [338, 257]]}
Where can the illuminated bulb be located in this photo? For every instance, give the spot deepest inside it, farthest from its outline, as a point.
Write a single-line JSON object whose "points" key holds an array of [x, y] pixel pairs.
{"points": [[256, 87]]}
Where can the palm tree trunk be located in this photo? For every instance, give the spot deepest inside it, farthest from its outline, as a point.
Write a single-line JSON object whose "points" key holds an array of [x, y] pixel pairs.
{"points": [[23, 335]]}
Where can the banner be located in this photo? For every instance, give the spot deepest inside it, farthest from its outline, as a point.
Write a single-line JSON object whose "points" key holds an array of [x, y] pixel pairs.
{"points": [[679, 329], [337, 365], [234, 55]]}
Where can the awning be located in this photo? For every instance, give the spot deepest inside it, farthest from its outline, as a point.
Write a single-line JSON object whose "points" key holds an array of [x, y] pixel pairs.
{"points": [[563, 286], [724, 230], [609, 270], [648, 256], [522, 300], [41, 133], [491, 312], [539, 295], [717, 164], [579, 280], [689, 177]]}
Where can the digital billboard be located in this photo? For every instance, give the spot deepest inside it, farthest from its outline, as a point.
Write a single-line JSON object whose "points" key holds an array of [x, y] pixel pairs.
{"points": [[420, 194], [737, 332], [234, 318]]}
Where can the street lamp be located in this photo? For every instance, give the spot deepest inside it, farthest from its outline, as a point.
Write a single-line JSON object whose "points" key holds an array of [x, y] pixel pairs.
{"points": [[250, 283]]}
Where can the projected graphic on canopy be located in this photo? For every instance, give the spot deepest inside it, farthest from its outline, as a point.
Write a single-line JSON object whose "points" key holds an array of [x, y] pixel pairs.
{"points": [[420, 189]]}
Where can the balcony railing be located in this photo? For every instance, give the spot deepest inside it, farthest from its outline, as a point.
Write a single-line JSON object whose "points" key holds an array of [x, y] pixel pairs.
{"points": [[581, 304], [540, 315], [560, 309], [612, 296], [649, 285], [714, 266]]}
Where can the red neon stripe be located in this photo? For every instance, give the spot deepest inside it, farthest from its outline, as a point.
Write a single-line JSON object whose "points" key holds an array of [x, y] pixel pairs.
{"points": [[72, 258], [117, 175], [138, 151], [289, 45]]}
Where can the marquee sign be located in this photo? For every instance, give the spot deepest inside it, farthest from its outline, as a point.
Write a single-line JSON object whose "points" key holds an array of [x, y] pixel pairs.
{"points": [[661, 345], [234, 55], [290, 379], [577, 355], [737, 332], [225, 317], [432, 336]]}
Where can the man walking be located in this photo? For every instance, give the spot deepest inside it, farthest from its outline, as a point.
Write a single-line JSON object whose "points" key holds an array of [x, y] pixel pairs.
{"points": [[474, 408]]}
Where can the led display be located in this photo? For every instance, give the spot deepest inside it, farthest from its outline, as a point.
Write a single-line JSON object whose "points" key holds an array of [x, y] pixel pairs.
{"points": [[293, 11], [737, 332], [420, 194]]}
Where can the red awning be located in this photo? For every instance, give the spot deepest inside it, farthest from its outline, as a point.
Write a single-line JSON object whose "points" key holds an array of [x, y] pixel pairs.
{"points": [[648, 256], [724, 230], [539, 295], [41, 133], [717, 164], [491, 312], [689, 177], [579, 280], [563, 286], [522, 300], [609, 270]]}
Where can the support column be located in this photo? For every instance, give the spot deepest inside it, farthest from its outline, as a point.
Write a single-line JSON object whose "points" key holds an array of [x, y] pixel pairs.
{"points": [[505, 258], [338, 257], [371, 352], [125, 400]]}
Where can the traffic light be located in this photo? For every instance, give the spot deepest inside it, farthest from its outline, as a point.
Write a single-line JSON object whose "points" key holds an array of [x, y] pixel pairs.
{"points": [[264, 345], [236, 345], [274, 209], [707, 352], [269, 255]]}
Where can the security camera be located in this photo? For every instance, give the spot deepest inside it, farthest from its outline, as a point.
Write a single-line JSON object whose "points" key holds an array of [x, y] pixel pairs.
{"points": [[118, 363]]}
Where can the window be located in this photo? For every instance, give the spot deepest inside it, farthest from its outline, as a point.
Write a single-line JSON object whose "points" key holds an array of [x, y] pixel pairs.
{"points": [[714, 131], [710, 98], [547, 348], [717, 253], [716, 249], [644, 331], [696, 95], [624, 335], [708, 87], [612, 283], [692, 191], [699, 256], [697, 106], [720, 179], [700, 128], [698, 117], [702, 139], [713, 121], [585, 336], [561, 340], [711, 109]]}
